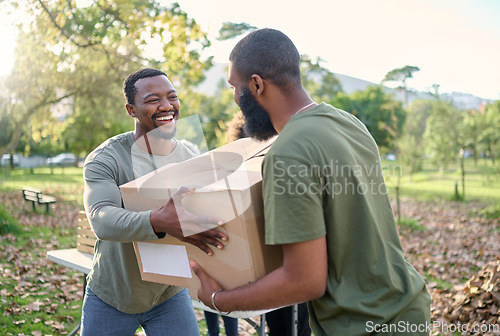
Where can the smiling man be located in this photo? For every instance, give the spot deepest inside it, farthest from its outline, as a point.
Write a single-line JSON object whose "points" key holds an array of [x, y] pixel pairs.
{"points": [[341, 250], [117, 300]]}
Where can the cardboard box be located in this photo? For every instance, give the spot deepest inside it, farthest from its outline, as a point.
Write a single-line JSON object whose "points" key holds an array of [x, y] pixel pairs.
{"points": [[228, 181]]}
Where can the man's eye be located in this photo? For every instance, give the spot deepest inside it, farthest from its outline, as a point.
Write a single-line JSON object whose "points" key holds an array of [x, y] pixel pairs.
{"points": [[152, 100], [173, 97]]}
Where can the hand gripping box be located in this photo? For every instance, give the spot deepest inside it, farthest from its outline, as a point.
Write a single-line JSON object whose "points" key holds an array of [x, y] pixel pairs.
{"points": [[228, 187]]}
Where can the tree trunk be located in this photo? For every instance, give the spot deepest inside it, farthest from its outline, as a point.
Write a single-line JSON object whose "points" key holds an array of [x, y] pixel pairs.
{"points": [[462, 167]]}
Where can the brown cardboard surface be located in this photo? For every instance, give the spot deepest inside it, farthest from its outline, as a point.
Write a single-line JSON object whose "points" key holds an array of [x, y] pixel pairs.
{"points": [[228, 188]]}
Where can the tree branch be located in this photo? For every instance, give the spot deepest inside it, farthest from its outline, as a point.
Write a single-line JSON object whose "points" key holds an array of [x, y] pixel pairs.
{"points": [[18, 126], [63, 32]]}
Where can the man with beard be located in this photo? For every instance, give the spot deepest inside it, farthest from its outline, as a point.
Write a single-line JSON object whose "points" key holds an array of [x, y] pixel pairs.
{"points": [[117, 301], [325, 203]]}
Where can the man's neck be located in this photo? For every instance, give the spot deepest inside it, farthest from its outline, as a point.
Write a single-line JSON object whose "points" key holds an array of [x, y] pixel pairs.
{"points": [[154, 145], [286, 106]]}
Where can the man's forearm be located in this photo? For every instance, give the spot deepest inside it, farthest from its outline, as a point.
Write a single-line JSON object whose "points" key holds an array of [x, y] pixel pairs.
{"points": [[274, 290], [302, 278]]}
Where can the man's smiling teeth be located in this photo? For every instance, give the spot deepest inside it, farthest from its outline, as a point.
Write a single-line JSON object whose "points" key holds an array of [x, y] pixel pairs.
{"points": [[165, 118]]}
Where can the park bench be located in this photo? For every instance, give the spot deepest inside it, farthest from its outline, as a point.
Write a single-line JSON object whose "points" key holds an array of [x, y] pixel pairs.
{"points": [[36, 196]]}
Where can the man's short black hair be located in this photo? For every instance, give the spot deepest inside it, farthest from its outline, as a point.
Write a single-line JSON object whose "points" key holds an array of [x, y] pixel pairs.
{"points": [[270, 54], [129, 88]]}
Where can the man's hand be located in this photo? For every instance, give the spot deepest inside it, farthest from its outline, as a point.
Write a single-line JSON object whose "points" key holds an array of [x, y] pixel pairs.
{"points": [[208, 285], [177, 222]]}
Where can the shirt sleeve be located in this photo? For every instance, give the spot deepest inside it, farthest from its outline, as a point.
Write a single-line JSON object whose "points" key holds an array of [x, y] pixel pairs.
{"points": [[103, 205], [292, 194]]}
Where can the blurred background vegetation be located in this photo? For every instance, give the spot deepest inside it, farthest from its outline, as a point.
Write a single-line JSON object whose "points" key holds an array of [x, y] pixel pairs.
{"points": [[64, 93]]}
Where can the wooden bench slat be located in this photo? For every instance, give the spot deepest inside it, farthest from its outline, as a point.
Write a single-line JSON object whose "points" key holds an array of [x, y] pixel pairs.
{"points": [[86, 238], [86, 241], [46, 199], [31, 190], [85, 248], [31, 198], [86, 233]]}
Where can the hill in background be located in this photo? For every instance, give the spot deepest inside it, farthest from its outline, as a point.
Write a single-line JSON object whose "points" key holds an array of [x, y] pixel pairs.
{"points": [[217, 75]]}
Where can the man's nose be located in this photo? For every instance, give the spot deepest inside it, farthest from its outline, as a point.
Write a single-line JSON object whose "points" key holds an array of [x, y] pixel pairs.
{"points": [[165, 104]]}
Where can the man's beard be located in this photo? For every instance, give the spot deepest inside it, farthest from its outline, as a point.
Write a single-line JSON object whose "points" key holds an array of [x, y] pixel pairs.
{"points": [[257, 122]]}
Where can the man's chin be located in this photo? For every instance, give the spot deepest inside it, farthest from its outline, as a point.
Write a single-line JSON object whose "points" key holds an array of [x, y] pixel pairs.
{"points": [[166, 132]]}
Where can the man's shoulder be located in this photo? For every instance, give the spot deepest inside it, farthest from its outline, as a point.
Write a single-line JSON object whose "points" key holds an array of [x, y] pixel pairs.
{"points": [[114, 147]]}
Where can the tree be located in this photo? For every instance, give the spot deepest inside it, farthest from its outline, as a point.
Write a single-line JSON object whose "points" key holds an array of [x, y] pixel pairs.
{"points": [[82, 54], [411, 144], [215, 111], [473, 129], [443, 133], [401, 75], [231, 30], [490, 136], [319, 82], [380, 112]]}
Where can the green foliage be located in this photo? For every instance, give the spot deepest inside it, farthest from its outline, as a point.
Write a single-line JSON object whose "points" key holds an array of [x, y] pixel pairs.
{"points": [[8, 224], [401, 75], [78, 70], [380, 112], [231, 30], [411, 145], [438, 129], [6, 127], [443, 146], [490, 123], [215, 112], [29, 88], [319, 82], [472, 130]]}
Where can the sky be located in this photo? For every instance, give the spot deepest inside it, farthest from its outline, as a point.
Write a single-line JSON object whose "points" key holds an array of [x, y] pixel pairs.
{"points": [[455, 43]]}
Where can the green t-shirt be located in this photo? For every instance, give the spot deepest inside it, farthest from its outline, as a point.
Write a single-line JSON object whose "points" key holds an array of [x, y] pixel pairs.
{"points": [[115, 276], [321, 177]]}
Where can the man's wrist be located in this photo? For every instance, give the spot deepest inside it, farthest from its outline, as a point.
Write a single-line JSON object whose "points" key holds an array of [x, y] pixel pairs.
{"points": [[159, 233], [215, 306]]}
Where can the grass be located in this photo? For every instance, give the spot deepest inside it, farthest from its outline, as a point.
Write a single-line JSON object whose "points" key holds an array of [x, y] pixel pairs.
{"points": [[63, 182], [491, 212], [482, 182], [411, 224], [8, 223]]}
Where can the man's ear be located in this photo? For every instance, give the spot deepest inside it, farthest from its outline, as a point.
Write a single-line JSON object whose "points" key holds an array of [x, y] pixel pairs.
{"points": [[130, 110], [256, 85]]}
